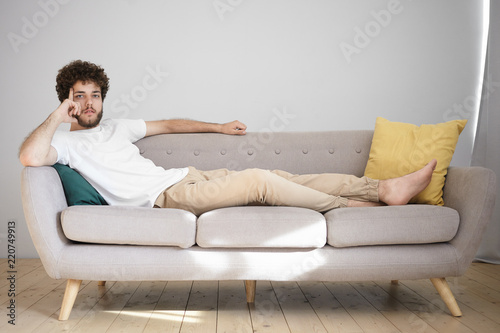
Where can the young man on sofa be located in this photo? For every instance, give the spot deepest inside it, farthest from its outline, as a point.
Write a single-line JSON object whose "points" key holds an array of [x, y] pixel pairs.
{"points": [[104, 154]]}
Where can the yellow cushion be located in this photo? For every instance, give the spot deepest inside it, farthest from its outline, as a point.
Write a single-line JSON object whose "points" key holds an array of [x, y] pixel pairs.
{"points": [[399, 149]]}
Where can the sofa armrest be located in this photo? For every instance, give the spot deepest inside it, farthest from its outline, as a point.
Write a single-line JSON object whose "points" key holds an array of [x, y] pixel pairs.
{"points": [[43, 201], [471, 191]]}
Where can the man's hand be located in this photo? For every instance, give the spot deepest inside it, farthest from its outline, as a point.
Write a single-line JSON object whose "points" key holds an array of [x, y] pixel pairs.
{"points": [[234, 128], [69, 109]]}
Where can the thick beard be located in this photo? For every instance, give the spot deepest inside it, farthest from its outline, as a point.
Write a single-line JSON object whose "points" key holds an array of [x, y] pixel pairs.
{"points": [[91, 124]]}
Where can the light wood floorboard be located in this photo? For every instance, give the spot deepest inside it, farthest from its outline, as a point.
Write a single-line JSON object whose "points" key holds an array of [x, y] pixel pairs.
{"points": [[220, 306]]}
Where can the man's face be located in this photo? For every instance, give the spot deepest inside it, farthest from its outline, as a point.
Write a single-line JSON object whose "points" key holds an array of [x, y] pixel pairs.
{"points": [[90, 99]]}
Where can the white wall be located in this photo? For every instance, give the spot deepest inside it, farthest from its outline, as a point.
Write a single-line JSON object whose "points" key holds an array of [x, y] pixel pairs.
{"points": [[288, 65]]}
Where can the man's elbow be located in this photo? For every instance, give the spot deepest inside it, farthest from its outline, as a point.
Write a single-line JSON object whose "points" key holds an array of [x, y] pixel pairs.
{"points": [[28, 160]]}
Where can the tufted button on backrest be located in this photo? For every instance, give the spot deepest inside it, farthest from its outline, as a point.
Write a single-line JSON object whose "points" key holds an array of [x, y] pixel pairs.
{"points": [[331, 150], [223, 152], [196, 153], [305, 151]]}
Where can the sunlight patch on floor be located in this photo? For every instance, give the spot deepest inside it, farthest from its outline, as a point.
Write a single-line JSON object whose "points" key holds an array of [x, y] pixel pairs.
{"points": [[170, 315]]}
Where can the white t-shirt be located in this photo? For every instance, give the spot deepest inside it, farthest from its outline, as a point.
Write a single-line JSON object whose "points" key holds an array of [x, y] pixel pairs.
{"points": [[107, 158]]}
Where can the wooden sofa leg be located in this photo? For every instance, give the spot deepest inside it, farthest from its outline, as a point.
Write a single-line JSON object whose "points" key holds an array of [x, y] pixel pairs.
{"points": [[394, 281], [101, 283], [250, 286], [445, 292], [72, 288]]}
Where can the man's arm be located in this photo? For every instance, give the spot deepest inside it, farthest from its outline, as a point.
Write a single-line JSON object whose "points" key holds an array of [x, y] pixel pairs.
{"points": [[36, 149], [193, 126]]}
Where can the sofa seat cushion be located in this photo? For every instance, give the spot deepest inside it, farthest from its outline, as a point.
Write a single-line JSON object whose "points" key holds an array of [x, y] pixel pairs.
{"points": [[409, 224], [261, 227], [129, 225]]}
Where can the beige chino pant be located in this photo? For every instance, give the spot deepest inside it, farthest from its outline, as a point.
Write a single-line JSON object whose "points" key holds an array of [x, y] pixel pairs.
{"points": [[202, 191]]}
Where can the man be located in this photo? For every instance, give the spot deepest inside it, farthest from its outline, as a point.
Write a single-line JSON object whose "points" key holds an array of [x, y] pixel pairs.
{"points": [[104, 153]]}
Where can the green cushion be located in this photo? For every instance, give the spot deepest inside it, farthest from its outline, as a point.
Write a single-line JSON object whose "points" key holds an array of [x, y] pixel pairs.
{"points": [[77, 189]]}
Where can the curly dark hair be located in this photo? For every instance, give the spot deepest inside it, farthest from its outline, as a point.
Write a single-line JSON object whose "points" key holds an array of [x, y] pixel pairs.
{"points": [[79, 70]]}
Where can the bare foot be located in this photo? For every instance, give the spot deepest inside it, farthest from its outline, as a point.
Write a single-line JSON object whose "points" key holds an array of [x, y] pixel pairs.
{"points": [[398, 191]]}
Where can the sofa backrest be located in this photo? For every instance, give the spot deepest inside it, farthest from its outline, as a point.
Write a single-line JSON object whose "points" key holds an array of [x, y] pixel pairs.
{"points": [[296, 152]]}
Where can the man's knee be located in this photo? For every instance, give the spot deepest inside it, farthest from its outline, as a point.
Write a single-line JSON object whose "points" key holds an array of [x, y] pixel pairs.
{"points": [[256, 175]]}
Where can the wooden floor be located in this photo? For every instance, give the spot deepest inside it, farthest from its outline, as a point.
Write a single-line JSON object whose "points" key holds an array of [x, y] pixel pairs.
{"points": [[220, 306]]}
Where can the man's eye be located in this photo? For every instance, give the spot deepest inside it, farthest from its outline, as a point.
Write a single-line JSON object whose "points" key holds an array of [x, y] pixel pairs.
{"points": [[97, 96], [79, 96]]}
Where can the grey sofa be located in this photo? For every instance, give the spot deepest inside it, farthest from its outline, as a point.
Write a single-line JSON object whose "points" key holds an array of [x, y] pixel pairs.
{"points": [[105, 243]]}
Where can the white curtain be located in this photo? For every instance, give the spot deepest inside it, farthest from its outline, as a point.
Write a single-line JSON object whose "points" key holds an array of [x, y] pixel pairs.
{"points": [[487, 142]]}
